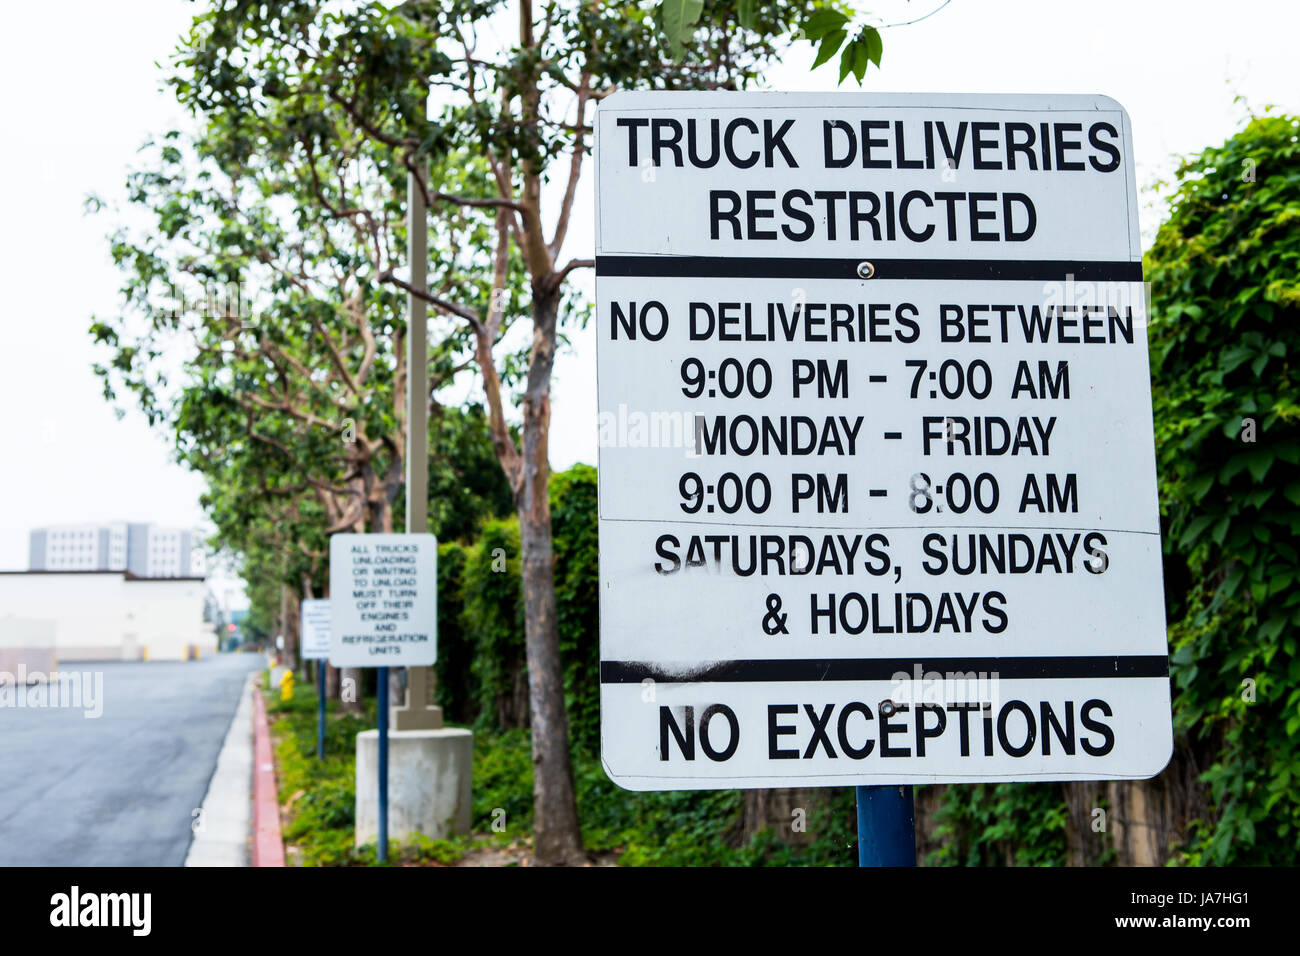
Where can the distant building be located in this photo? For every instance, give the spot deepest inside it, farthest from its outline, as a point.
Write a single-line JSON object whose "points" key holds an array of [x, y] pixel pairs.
{"points": [[146, 550], [105, 615]]}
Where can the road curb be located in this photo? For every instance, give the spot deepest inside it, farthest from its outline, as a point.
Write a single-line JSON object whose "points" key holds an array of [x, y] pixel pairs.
{"points": [[268, 847], [227, 811]]}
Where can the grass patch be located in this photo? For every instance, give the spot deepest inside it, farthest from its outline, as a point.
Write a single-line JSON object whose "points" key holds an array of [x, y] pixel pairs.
{"points": [[680, 828], [684, 828], [321, 794]]}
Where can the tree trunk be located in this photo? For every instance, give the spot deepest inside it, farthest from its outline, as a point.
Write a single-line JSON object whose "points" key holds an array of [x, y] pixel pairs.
{"points": [[785, 812], [925, 804], [1151, 818], [1087, 832], [292, 629], [282, 650], [557, 838], [305, 593]]}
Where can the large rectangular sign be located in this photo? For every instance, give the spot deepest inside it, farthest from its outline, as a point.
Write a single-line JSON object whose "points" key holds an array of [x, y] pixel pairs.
{"points": [[383, 600], [877, 471]]}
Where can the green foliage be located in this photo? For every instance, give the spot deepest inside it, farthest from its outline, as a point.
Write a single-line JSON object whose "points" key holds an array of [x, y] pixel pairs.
{"points": [[682, 22], [453, 688], [278, 77], [322, 794], [649, 829], [1013, 824], [503, 780], [481, 659], [577, 599], [828, 29], [675, 828], [289, 399], [1225, 334], [466, 484], [493, 615], [677, 18]]}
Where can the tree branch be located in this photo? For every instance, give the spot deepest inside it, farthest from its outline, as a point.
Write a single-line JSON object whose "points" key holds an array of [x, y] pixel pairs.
{"points": [[442, 305]]}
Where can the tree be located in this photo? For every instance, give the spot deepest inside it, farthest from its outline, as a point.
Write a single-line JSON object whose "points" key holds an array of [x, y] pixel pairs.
{"points": [[292, 383], [466, 485], [277, 533], [522, 107]]}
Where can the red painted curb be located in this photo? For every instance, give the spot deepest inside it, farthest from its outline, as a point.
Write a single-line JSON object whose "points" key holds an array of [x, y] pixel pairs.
{"points": [[268, 847]]}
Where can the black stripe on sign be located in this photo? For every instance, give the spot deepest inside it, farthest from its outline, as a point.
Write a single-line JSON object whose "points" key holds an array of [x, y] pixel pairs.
{"points": [[881, 669], [735, 267]]}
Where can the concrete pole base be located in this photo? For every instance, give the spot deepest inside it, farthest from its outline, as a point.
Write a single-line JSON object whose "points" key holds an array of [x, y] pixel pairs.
{"points": [[429, 775], [416, 713]]}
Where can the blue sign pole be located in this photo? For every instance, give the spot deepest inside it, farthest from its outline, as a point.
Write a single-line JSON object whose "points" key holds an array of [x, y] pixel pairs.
{"points": [[320, 709], [886, 827], [381, 699]]}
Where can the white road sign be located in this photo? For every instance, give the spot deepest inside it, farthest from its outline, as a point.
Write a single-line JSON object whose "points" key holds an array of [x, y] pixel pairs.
{"points": [[877, 471], [315, 620], [383, 600]]}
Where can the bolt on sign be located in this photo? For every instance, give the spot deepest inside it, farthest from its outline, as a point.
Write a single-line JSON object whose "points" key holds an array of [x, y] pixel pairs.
{"points": [[877, 469], [383, 600]]}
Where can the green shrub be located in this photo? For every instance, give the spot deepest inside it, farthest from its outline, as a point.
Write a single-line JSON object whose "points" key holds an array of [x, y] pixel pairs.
{"points": [[503, 781], [1225, 335], [577, 599], [673, 828], [482, 667], [455, 690], [994, 824], [493, 616], [322, 793]]}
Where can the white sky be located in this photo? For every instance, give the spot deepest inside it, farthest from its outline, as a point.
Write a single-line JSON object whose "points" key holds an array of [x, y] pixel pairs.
{"points": [[76, 111]]}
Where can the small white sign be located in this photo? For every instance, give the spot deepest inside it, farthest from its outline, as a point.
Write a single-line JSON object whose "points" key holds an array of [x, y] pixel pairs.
{"points": [[383, 600], [315, 629]]}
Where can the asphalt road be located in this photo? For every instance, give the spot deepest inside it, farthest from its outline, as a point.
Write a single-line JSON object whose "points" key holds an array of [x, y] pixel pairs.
{"points": [[119, 789]]}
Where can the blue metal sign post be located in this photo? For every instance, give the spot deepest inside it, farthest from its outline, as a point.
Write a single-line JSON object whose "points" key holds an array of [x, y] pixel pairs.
{"points": [[381, 701], [886, 826], [320, 708]]}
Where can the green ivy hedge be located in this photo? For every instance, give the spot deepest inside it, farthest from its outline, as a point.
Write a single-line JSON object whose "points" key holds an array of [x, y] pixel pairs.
{"points": [[1225, 335], [482, 671]]}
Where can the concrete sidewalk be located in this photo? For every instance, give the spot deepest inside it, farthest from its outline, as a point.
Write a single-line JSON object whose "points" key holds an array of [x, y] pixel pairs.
{"points": [[223, 829]]}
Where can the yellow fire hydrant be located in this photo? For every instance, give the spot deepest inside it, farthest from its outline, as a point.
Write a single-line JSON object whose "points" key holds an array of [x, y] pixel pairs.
{"points": [[286, 686]]}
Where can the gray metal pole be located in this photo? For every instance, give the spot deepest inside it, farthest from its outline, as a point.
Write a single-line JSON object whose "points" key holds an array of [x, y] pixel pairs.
{"points": [[415, 715], [417, 365]]}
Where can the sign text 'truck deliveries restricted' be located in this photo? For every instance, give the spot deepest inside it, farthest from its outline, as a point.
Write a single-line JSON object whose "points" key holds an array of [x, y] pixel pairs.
{"points": [[877, 478]]}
